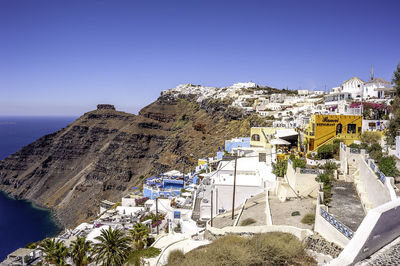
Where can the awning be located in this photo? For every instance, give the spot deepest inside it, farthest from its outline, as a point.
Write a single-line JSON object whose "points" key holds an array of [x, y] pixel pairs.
{"points": [[282, 133], [279, 142]]}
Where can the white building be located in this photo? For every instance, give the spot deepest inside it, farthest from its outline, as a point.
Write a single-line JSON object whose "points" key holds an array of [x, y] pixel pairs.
{"points": [[335, 98], [375, 88], [303, 92], [277, 98], [243, 85], [353, 86], [252, 177], [318, 92]]}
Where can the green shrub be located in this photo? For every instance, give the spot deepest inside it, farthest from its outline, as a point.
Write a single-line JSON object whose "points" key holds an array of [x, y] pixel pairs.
{"points": [[247, 221], [387, 165], [300, 163], [279, 168], [136, 255], [325, 152], [262, 249], [356, 146], [370, 137], [374, 147], [309, 219], [326, 178]]}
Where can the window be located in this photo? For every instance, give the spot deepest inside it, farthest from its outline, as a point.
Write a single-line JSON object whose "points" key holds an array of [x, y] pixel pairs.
{"points": [[339, 129], [359, 129], [351, 128], [255, 137]]}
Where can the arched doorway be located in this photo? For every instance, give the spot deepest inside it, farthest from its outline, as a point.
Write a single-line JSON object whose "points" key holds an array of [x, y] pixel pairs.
{"points": [[339, 128]]}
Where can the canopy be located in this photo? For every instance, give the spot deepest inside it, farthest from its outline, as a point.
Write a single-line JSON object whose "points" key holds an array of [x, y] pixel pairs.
{"points": [[282, 133], [279, 142]]}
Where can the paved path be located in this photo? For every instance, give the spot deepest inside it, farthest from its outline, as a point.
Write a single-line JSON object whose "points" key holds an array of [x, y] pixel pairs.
{"points": [[255, 209], [172, 242], [281, 212], [345, 205], [388, 255]]}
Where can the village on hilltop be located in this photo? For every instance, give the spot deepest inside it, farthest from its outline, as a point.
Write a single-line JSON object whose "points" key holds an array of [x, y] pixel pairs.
{"points": [[322, 170]]}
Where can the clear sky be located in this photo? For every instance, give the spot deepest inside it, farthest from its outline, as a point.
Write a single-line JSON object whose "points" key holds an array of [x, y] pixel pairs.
{"points": [[64, 57]]}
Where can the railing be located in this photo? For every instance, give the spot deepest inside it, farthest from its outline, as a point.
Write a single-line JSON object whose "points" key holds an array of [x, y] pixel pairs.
{"points": [[355, 150], [347, 232], [381, 176], [372, 165], [309, 171]]}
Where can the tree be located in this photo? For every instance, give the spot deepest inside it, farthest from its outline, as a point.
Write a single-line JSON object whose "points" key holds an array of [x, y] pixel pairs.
{"points": [[54, 251], [80, 251], [279, 168], [370, 137], [139, 234], [394, 124], [113, 248]]}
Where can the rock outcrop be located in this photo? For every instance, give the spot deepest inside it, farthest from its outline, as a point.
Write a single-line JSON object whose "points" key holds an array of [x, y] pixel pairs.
{"points": [[105, 152]]}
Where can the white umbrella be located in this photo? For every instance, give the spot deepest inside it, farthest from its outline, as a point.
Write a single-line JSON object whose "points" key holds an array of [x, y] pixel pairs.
{"points": [[279, 142]]}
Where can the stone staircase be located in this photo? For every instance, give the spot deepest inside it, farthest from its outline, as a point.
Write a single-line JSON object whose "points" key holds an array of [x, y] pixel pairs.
{"points": [[196, 210]]}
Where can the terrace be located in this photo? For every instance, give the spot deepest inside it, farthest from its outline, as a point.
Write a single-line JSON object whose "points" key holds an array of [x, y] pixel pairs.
{"points": [[167, 185]]}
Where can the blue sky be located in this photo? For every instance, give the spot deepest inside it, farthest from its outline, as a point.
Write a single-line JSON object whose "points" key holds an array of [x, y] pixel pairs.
{"points": [[64, 57]]}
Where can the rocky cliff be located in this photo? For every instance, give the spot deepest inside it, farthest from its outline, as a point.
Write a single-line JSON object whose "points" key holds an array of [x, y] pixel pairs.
{"points": [[105, 152]]}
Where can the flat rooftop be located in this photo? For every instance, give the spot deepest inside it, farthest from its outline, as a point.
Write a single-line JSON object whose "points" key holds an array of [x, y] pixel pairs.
{"points": [[345, 204]]}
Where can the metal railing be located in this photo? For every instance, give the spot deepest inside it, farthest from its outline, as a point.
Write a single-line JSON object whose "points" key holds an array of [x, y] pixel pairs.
{"points": [[347, 232], [355, 150], [372, 165], [309, 171]]}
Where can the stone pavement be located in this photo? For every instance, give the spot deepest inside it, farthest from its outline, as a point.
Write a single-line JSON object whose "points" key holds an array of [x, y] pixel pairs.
{"points": [[388, 255], [345, 204], [255, 209], [281, 212]]}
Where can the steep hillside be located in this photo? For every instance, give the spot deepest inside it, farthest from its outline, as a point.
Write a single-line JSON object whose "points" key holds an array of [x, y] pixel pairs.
{"points": [[105, 152]]}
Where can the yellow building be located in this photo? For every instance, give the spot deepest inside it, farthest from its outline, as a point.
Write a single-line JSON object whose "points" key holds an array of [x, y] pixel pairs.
{"points": [[201, 162], [323, 129], [260, 136]]}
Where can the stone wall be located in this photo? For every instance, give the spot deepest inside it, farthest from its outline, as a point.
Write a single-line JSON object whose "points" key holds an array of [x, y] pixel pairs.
{"points": [[319, 244], [378, 228]]}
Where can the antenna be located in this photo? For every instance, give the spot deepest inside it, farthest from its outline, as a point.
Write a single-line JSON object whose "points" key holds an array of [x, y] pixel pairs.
{"points": [[371, 75]]}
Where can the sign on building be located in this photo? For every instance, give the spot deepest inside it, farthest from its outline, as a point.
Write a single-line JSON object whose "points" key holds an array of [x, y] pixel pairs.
{"points": [[262, 157], [177, 214]]}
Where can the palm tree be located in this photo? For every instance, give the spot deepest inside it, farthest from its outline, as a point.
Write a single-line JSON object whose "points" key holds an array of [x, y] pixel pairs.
{"points": [[139, 233], [113, 248], [80, 251], [54, 251]]}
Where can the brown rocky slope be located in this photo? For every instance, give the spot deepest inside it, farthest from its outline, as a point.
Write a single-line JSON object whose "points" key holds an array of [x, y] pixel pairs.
{"points": [[105, 152]]}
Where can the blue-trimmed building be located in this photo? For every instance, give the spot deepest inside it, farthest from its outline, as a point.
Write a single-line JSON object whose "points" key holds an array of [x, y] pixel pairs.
{"points": [[237, 143], [166, 186]]}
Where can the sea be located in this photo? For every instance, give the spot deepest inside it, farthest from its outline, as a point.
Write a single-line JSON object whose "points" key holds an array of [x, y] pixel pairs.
{"points": [[21, 222]]}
